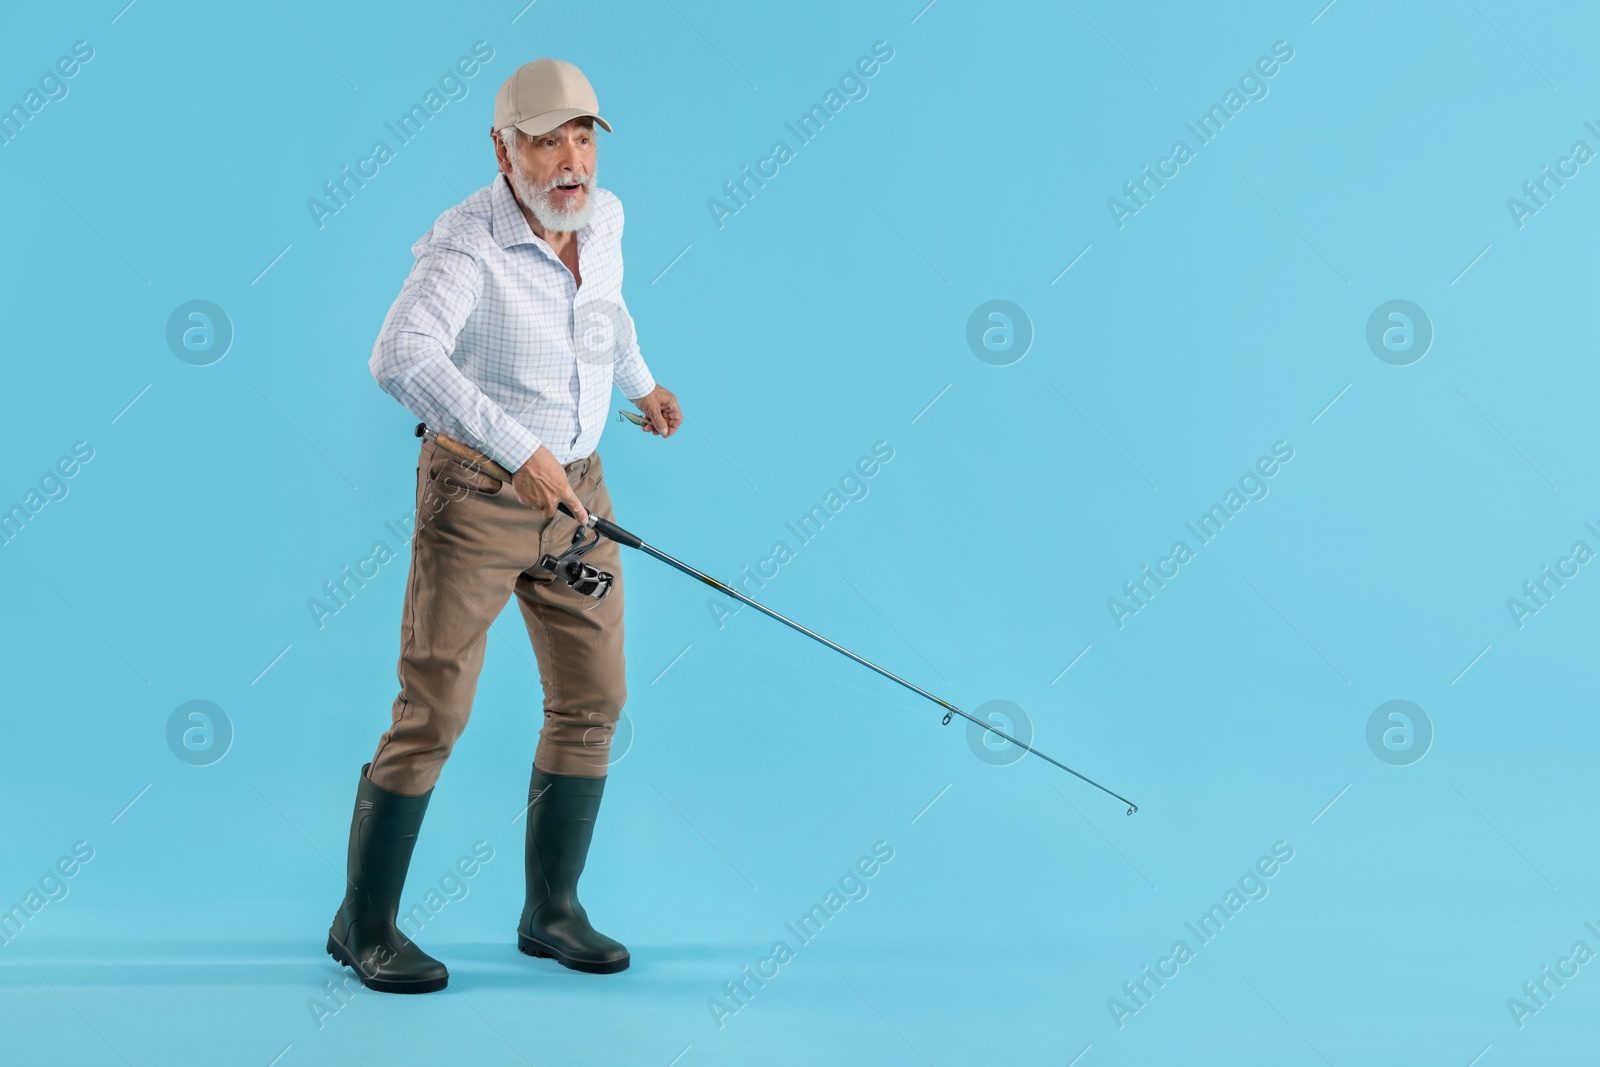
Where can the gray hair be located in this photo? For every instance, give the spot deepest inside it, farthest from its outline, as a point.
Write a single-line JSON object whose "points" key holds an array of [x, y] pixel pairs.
{"points": [[511, 137]]}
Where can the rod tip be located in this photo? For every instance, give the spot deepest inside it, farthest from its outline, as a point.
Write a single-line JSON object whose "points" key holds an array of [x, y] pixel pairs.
{"points": [[1132, 808]]}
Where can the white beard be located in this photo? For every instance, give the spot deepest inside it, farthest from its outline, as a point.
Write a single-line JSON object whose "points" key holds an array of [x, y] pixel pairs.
{"points": [[537, 200]]}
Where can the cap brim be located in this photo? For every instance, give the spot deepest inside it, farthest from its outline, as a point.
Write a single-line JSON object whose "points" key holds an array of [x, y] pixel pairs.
{"points": [[541, 124]]}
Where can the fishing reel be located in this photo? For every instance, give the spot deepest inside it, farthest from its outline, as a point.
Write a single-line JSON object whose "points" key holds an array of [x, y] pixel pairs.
{"points": [[587, 579]]}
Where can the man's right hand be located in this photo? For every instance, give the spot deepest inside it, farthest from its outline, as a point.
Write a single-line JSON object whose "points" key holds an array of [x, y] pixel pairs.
{"points": [[541, 483]]}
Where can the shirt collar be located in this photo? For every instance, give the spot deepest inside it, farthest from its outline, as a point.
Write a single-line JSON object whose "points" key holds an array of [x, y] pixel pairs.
{"points": [[510, 226]]}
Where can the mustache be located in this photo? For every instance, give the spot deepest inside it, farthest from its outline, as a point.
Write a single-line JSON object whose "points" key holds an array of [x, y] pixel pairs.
{"points": [[571, 179]]}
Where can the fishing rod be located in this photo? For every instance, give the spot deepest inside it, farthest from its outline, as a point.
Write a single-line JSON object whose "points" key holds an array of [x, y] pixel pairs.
{"points": [[589, 581]]}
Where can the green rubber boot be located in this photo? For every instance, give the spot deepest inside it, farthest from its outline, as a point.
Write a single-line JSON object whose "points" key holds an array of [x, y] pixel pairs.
{"points": [[561, 814], [383, 831]]}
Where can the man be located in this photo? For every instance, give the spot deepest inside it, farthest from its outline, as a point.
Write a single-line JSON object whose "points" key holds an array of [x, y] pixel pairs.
{"points": [[507, 336]]}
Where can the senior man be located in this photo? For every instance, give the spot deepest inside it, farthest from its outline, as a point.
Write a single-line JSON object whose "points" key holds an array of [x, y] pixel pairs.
{"points": [[508, 336]]}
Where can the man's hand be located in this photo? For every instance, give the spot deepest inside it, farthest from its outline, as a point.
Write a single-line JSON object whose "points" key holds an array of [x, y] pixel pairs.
{"points": [[662, 414], [541, 483]]}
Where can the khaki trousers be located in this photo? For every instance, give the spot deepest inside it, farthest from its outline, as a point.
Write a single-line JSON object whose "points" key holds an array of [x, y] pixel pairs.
{"points": [[475, 545]]}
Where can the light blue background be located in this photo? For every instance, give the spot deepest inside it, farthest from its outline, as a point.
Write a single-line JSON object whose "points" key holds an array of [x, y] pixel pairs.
{"points": [[1223, 317]]}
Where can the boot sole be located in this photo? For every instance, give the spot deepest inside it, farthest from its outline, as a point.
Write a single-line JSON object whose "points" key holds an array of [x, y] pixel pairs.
{"points": [[528, 946], [426, 985]]}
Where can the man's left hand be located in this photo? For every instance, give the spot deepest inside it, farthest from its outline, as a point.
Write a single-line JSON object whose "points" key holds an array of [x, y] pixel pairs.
{"points": [[662, 414]]}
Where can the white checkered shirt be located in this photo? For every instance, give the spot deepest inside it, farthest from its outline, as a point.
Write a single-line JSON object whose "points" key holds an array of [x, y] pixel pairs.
{"points": [[492, 341]]}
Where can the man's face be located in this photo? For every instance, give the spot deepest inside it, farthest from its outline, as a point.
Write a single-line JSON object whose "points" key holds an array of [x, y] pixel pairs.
{"points": [[552, 174]]}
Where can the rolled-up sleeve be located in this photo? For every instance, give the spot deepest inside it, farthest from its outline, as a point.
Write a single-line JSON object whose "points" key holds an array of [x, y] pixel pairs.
{"points": [[411, 359]]}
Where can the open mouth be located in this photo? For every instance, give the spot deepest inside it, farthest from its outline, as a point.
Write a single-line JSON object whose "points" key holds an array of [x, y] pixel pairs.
{"points": [[570, 189]]}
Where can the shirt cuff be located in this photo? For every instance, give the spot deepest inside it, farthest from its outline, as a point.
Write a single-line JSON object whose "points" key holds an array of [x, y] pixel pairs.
{"points": [[512, 445], [634, 378]]}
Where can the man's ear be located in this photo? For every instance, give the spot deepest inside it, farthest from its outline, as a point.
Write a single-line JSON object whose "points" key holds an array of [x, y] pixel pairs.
{"points": [[500, 153]]}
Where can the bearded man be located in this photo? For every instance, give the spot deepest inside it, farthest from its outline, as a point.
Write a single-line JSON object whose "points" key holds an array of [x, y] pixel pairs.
{"points": [[507, 336]]}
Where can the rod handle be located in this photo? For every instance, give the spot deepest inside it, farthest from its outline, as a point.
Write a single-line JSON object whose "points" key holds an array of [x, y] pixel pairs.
{"points": [[606, 528], [461, 450]]}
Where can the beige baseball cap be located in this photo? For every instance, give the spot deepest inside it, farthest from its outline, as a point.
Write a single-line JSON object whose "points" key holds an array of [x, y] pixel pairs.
{"points": [[541, 95]]}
